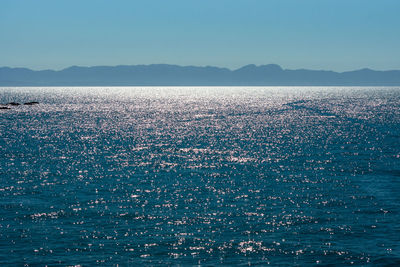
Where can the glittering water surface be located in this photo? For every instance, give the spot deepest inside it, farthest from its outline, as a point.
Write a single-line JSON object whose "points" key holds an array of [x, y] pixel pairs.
{"points": [[209, 176]]}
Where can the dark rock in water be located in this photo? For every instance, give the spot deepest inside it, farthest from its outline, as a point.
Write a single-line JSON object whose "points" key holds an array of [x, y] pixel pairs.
{"points": [[4, 108], [13, 104], [31, 103]]}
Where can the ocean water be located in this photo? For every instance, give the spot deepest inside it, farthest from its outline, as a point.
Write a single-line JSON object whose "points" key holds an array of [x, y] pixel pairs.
{"points": [[200, 176]]}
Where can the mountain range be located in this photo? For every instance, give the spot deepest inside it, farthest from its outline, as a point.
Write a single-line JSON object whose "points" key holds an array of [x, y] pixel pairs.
{"points": [[173, 75]]}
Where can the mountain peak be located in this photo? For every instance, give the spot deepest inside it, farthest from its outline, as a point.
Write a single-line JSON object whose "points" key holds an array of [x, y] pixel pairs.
{"points": [[271, 67], [268, 67]]}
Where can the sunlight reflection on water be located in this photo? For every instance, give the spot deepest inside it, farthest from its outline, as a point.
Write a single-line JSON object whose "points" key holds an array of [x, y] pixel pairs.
{"points": [[236, 175]]}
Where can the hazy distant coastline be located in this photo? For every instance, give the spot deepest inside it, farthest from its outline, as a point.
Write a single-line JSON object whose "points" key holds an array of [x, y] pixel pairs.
{"points": [[174, 75]]}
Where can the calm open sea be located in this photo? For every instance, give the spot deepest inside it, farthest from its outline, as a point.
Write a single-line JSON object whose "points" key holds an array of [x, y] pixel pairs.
{"points": [[200, 176]]}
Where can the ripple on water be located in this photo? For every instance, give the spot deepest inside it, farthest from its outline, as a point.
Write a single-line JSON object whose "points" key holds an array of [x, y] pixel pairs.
{"points": [[281, 176]]}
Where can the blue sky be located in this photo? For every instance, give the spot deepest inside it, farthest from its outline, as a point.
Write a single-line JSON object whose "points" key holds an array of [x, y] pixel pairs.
{"points": [[315, 34]]}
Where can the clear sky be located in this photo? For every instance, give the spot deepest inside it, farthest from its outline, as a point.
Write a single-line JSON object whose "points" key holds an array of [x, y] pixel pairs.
{"points": [[315, 34]]}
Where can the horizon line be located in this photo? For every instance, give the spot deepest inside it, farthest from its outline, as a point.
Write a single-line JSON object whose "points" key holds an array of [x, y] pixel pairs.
{"points": [[195, 66]]}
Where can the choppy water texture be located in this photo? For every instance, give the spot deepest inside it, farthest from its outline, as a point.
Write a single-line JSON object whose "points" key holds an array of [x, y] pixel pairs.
{"points": [[209, 176]]}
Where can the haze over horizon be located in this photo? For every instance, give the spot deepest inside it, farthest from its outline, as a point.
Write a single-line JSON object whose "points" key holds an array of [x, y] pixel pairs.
{"points": [[320, 35]]}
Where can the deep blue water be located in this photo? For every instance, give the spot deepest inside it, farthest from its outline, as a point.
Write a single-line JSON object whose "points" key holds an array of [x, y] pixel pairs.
{"points": [[200, 176]]}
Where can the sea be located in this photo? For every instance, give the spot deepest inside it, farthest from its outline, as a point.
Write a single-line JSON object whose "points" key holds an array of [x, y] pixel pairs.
{"points": [[200, 176]]}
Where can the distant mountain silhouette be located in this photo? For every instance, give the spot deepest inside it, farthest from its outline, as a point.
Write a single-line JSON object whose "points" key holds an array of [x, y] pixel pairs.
{"points": [[173, 75]]}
